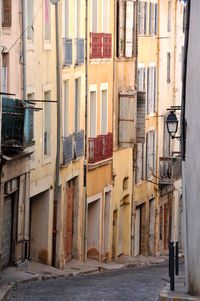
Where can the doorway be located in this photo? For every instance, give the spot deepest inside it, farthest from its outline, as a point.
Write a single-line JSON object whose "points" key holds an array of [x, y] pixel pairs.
{"points": [[69, 220], [107, 218], [114, 234]]}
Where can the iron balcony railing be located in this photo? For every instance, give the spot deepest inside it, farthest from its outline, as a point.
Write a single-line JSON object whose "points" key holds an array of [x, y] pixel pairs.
{"points": [[17, 124], [170, 170], [67, 150], [78, 144], [67, 51], [100, 45], [79, 51], [100, 148]]}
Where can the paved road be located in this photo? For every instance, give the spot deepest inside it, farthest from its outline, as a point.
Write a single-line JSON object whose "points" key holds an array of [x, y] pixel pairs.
{"points": [[142, 284]]}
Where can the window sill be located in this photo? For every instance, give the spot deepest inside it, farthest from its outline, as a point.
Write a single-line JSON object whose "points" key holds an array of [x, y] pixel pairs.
{"points": [[46, 159], [100, 60], [47, 45]]}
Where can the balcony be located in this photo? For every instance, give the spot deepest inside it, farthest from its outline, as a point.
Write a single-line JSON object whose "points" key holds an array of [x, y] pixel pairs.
{"points": [[78, 144], [67, 52], [100, 45], [100, 148], [170, 170], [17, 125], [79, 51]]}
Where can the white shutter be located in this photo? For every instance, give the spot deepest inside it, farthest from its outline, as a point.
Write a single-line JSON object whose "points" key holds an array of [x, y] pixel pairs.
{"points": [[138, 177], [144, 161], [152, 89], [155, 89], [121, 36], [129, 29], [148, 90], [148, 155], [156, 18], [140, 17]]}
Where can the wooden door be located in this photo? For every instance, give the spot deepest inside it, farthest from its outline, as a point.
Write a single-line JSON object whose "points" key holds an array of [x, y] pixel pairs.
{"points": [[166, 234], [114, 234], [137, 232], [69, 221]]}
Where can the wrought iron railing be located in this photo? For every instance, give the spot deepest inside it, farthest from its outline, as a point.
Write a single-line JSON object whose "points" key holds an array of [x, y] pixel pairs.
{"points": [[100, 148], [100, 45]]}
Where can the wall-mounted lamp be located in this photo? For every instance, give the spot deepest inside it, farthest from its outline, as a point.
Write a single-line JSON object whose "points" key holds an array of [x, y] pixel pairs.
{"points": [[172, 125]]}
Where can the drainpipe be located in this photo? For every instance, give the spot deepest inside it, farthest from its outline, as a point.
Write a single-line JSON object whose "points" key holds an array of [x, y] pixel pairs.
{"points": [[86, 135], [183, 140], [136, 88], [56, 192], [24, 47]]}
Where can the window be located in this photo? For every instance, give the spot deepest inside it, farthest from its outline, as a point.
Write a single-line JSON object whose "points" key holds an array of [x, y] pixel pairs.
{"points": [[169, 16], [151, 154], [151, 90], [6, 13], [30, 17], [93, 114], [65, 107], [47, 20], [151, 19], [65, 21], [94, 17], [142, 79], [105, 16], [156, 19], [145, 17], [104, 112], [47, 124], [141, 18], [77, 105], [168, 67]]}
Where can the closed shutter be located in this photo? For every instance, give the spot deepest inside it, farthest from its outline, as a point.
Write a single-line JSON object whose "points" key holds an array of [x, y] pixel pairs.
{"points": [[127, 118], [154, 152], [148, 90], [151, 19], [155, 89], [141, 117], [148, 154], [140, 17], [7, 13], [129, 29]]}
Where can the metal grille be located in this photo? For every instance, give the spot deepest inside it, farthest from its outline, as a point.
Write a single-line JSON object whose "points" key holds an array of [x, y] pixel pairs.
{"points": [[67, 150], [67, 51], [95, 149], [79, 144], [107, 145], [79, 51]]}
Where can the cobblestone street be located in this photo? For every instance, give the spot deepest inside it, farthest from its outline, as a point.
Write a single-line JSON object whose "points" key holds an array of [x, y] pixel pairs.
{"points": [[130, 284]]}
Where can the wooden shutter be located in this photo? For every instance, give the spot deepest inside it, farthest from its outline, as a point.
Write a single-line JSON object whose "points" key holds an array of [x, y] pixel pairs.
{"points": [[156, 18], [121, 33], [151, 19], [139, 164], [154, 152], [21, 207], [144, 161], [152, 89], [149, 89], [148, 155], [140, 17], [127, 118], [145, 16], [129, 29], [141, 116], [155, 90], [7, 13], [27, 208]]}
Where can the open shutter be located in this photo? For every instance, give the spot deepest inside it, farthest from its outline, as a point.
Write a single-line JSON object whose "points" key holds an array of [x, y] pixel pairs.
{"points": [[156, 18], [152, 89], [148, 148], [140, 18], [121, 37], [155, 89], [141, 116], [145, 16], [127, 119], [154, 152], [139, 164], [129, 29], [27, 208], [144, 161], [21, 207], [151, 19]]}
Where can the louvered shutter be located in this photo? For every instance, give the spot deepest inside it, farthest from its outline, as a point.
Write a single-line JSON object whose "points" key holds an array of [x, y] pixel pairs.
{"points": [[152, 89], [155, 89], [144, 161], [148, 155], [154, 152], [141, 116], [156, 18], [7, 13], [121, 37], [127, 118], [148, 90], [129, 29], [140, 17], [139, 164], [145, 17], [151, 19]]}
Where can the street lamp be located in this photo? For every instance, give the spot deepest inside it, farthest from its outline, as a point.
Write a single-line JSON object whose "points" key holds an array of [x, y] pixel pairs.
{"points": [[172, 124]]}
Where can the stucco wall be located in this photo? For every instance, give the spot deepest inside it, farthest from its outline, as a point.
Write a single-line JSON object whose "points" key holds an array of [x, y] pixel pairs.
{"points": [[192, 150]]}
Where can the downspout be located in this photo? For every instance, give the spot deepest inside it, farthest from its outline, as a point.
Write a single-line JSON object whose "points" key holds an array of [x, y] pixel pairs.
{"points": [[56, 192], [183, 140], [86, 136], [24, 48], [136, 88]]}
